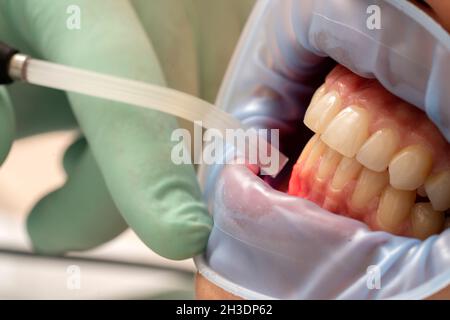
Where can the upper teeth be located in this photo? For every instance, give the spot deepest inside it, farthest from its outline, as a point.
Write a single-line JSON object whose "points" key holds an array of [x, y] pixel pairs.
{"points": [[319, 115], [347, 132], [410, 167], [437, 187], [378, 150], [393, 170]]}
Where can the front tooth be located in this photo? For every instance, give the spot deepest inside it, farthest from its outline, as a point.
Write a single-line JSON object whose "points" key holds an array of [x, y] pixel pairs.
{"points": [[376, 152], [437, 187], [348, 131], [318, 94], [394, 207], [425, 221], [307, 148], [328, 163], [369, 185], [410, 167], [347, 170], [316, 152], [321, 111]]}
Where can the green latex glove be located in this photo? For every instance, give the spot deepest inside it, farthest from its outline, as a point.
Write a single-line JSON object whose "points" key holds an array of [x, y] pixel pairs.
{"points": [[120, 173]]}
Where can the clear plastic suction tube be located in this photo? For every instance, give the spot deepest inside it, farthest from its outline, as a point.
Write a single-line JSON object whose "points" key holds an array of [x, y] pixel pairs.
{"points": [[139, 94]]}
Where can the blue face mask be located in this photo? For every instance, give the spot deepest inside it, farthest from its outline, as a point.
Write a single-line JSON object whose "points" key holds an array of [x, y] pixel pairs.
{"points": [[266, 244]]}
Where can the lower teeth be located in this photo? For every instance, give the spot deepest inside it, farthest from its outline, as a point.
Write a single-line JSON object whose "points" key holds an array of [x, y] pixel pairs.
{"points": [[369, 191]]}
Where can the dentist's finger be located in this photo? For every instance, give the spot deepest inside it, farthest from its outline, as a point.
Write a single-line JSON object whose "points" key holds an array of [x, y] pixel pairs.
{"points": [[81, 214]]}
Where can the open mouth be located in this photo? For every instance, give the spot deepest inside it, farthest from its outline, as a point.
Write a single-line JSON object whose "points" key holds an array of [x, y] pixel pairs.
{"points": [[371, 157], [374, 158]]}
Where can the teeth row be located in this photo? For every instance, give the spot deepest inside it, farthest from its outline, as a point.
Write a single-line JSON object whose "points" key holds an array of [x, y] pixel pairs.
{"points": [[394, 207], [346, 131], [397, 206]]}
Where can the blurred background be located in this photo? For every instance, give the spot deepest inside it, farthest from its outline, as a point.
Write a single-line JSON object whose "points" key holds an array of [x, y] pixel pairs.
{"points": [[121, 269]]}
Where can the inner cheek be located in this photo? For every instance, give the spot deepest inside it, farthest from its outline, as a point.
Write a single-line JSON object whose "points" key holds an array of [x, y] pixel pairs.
{"points": [[374, 158], [439, 10]]}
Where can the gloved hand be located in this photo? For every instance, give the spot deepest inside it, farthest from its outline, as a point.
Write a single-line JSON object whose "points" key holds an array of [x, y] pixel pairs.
{"points": [[300, 250], [120, 174]]}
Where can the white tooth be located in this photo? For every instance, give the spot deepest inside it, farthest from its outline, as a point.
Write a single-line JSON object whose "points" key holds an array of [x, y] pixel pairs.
{"points": [[320, 113], [318, 94], [316, 152], [369, 185], [307, 149], [378, 150], [328, 163], [347, 170], [348, 131], [394, 207], [410, 167], [437, 187], [425, 221]]}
